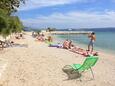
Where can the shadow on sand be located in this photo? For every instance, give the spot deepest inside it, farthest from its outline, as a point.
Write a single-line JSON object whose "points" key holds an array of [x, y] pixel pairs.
{"points": [[20, 45]]}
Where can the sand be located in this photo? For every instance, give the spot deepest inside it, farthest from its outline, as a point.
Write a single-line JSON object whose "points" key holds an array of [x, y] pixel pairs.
{"points": [[36, 64]]}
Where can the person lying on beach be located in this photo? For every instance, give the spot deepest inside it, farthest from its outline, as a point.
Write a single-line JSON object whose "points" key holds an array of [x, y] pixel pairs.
{"points": [[83, 52], [79, 51], [40, 38], [17, 37]]}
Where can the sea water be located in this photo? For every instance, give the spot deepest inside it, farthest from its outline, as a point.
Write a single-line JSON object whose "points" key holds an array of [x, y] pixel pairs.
{"points": [[105, 40]]}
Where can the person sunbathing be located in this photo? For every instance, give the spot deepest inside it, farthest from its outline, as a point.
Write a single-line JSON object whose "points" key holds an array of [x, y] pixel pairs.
{"points": [[83, 52], [17, 37], [66, 44], [79, 50], [40, 38]]}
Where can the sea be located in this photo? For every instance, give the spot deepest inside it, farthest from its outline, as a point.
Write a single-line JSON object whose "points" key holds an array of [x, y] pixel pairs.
{"points": [[105, 39]]}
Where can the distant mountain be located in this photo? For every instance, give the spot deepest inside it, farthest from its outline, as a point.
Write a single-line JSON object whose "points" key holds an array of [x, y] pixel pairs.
{"points": [[30, 29], [111, 29], [27, 29], [90, 29], [100, 29]]}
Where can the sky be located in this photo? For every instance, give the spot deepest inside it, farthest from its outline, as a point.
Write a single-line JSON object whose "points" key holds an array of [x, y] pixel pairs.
{"points": [[64, 14]]}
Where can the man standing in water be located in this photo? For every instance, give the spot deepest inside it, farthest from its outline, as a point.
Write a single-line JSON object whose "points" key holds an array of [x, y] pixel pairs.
{"points": [[92, 38]]}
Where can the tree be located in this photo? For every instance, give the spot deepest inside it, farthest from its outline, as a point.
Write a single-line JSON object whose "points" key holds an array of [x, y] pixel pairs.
{"points": [[15, 24], [3, 20], [10, 5], [38, 32], [3, 23], [50, 29], [9, 24], [6, 32]]}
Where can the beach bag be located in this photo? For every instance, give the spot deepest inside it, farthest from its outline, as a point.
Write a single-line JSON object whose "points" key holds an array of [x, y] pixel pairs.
{"points": [[71, 73]]}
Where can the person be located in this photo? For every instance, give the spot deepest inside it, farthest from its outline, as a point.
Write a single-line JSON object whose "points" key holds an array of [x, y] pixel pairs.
{"points": [[70, 45], [40, 37], [21, 35], [66, 44], [92, 38], [50, 39], [17, 37]]}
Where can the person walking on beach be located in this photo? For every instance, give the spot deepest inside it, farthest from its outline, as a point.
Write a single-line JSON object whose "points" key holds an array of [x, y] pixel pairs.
{"points": [[92, 38]]}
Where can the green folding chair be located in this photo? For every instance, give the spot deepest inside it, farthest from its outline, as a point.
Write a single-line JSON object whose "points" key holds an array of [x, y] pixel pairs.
{"points": [[88, 64]]}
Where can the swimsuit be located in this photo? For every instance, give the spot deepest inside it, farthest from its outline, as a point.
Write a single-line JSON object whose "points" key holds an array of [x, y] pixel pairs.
{"points": [[91, 43]]}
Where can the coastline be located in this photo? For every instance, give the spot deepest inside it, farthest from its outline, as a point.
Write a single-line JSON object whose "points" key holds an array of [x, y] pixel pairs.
{"points": [[84, 46], [40, 65]]}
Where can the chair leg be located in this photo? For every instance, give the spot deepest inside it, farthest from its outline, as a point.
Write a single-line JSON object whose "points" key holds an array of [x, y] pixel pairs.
{"points": [[92, 73]]}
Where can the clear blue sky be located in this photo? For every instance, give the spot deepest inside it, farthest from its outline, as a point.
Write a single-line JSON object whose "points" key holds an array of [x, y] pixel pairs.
{"points": [[68, 13]]}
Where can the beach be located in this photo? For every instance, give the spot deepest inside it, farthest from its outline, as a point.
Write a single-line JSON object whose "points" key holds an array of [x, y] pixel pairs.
{"points": [[36, 64]]}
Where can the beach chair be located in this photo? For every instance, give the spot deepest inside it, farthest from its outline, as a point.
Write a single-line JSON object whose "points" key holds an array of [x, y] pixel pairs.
{"points": [[87, 64], [2, 44], [8, 43]]}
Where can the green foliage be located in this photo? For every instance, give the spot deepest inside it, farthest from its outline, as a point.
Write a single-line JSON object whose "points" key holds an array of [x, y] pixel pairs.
{"points": [[15, 24], [10, 5], [6, 32], [2, 12], [38, 31], [50, 29], [3, 23], [9, 24], [3, 20]]}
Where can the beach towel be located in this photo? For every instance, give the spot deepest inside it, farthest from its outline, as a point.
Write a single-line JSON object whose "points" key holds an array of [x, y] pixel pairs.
{"points": [[83, 52], [55, 45]]}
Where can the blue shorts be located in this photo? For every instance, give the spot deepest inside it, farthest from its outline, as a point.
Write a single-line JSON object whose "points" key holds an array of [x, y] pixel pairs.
{"points": [[91, 43]]}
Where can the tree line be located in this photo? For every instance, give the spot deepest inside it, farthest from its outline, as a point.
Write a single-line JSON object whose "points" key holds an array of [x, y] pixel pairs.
{"points": [[9, 23]]}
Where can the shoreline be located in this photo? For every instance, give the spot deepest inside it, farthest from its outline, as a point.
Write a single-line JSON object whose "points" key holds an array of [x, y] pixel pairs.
{"points": [[84, 46]]}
